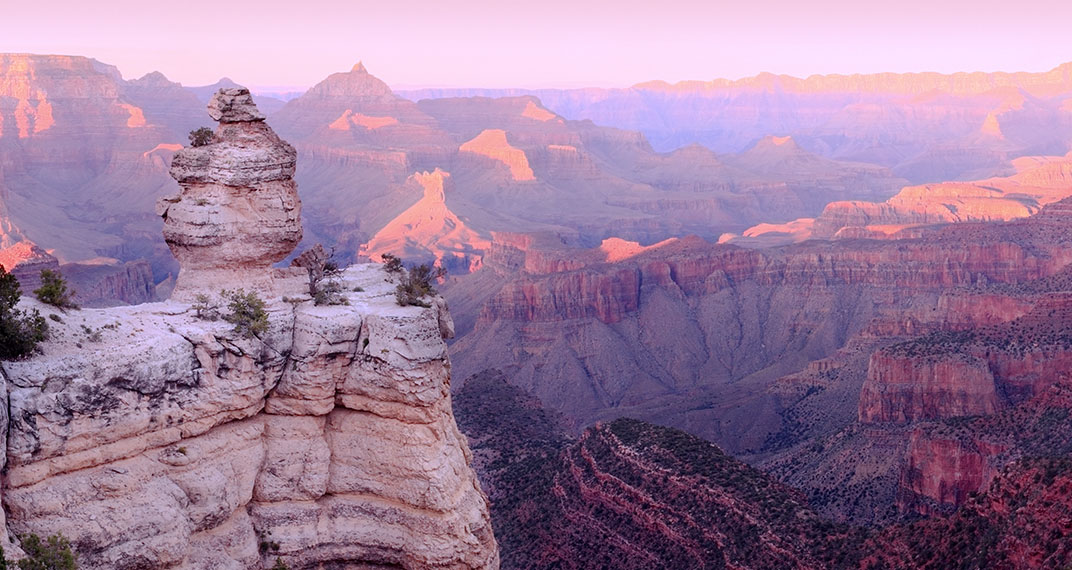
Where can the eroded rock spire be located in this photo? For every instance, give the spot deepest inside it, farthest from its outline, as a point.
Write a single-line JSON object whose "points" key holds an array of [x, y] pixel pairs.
{"points": [[238, 210]]}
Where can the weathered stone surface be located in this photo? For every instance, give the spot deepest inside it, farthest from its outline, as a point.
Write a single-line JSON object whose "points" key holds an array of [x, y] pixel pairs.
{"points": [[234, 105], [154, 439], [902, 390], [238, 211]]}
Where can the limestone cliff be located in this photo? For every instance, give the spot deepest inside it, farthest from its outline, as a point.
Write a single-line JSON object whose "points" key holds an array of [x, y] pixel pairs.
{"points": [[154, 437], [238, 211]]}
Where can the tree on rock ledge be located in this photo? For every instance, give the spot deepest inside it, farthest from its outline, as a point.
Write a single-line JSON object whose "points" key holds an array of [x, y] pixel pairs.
{"points": [[19, 332], [201, 137]]}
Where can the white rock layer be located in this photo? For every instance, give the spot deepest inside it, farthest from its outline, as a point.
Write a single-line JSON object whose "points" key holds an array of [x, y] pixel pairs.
{"points": [[170, 442]]}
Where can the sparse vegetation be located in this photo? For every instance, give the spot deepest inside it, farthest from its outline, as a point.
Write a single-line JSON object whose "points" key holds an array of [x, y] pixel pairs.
{"points": [[268, 545], [92, 335], [205, 308], [324, 286], [54, 553], [247, 313], [417, 284], [54, 290], [280, 565], [201, 136], [19, 331], [392, 264]]}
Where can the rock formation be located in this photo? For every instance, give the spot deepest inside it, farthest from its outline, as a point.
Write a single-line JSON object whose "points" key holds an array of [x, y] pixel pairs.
{"points": [[1020, 521], [238, 211], [492, 143], [77, 171], [925, 126], [156, 436], [631, 495], [429, 230]]}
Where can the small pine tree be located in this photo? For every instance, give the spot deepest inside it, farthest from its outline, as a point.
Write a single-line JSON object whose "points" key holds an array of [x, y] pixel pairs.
{"points": [[247, 313], [54, 290], [324, 286], [392, 264], [51, 554], [201, 136], [19, 332], [205, 308], [417, 284], [280, 565]]}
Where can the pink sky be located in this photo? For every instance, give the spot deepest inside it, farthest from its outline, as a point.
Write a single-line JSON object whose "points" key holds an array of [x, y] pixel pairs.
{"points": [[556, 43]]}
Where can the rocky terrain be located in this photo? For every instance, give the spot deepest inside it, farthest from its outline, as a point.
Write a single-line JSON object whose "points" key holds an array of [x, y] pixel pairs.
{"points": [[738, 315], [629, 494], [927, 127], [1038, 181], [1020, 521], [887, 354], [510, 161], [158, 436], [835, 365], [511, 164]]}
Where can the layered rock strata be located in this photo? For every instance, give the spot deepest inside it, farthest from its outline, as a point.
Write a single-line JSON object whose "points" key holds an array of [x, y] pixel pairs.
{"points": [[238, 211], [160, 436], [160, 440]]}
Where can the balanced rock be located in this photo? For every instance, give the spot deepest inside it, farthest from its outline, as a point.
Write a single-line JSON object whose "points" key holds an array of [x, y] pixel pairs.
{"points": [[238, 210]]}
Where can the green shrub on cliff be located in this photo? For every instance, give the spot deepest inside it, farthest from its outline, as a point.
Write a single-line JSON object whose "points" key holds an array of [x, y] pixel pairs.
{"points": [[417, 284], [54, 290], [19, 331], [247, 313], [392, 264], [53, 553], [201, 136]]}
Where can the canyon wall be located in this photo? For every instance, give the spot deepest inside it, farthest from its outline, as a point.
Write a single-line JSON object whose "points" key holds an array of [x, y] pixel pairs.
{"points": [[155, 439], [162, 436]]}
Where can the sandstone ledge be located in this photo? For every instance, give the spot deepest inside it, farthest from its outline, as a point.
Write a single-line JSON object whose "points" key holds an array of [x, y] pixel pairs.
{"points": [[154, 439]]}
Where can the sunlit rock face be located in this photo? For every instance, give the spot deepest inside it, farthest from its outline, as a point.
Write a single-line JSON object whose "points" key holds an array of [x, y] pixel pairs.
{"points": [[429, 230], [492, 143], [155, 437], [169, 441], [238, 211]]}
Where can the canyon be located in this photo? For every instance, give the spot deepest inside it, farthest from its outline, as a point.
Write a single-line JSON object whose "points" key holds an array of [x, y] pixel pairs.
{"points": [[926, 127], [835, 365], [858, 287], [627, 494], [166, 435]]}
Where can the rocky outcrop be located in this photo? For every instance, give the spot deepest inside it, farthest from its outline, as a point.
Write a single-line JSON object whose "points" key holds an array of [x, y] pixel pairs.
{"points": [[238, 211], [159, 436], [974, 371], [430, 231], [25, 259], [903, 390], [630, 495], [1038, 181], [1018, 521], [492, 143], [155, 439], [943, 472], [103, 285]]}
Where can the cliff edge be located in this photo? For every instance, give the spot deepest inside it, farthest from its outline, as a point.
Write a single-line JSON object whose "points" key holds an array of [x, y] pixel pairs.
{"points": [[153, 437]]}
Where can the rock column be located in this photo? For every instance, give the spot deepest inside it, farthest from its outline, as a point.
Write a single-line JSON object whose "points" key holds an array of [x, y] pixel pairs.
{"points": [[238, 210]]}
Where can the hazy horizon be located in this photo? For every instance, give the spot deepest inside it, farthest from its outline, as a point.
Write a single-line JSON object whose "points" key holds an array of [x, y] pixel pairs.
{"points": [[494, 44]]}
